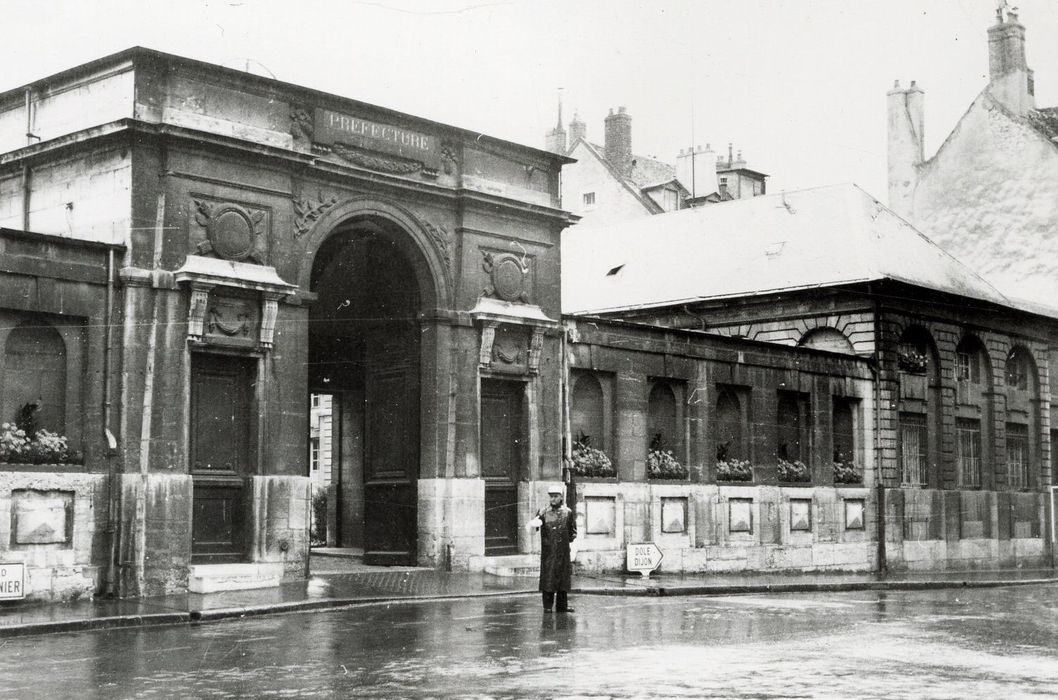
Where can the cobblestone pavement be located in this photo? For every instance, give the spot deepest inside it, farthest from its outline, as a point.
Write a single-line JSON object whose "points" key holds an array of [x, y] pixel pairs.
{"points": [[998, 642]]}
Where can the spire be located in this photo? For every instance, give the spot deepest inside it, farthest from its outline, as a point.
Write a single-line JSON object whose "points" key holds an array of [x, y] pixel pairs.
{"points": [[558, 124], [555, 139]]}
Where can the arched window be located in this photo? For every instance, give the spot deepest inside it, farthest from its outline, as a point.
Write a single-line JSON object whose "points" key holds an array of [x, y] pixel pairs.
{"points": [[830, 339], [788, 445], [1022, 439], [587, 418], [730, 441], [973, 424], [663, 428], [844, 432], [35, 376], [919, 410]]}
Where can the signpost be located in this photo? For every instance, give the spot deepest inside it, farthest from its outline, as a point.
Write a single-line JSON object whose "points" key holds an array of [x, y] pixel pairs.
{"points": [[643, 558], [12, 581]]}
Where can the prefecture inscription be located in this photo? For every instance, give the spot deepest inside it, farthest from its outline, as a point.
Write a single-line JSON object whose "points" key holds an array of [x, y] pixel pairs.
{"points": [[337, 128]]}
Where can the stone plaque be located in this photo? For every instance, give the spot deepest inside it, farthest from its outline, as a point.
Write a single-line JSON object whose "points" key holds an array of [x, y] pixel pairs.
{"points": [[674, 515], [854, 511], [337, 128], [800, 515], [232, 319], [740, 515], [599, 516], [42, 517]]}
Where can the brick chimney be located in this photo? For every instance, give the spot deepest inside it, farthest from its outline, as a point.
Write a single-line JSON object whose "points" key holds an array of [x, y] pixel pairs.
{"points": [[1010, 78], [618, 144], [577, 130], [906, 123]]}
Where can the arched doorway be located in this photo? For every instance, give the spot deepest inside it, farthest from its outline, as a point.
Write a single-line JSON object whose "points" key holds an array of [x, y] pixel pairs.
{"points": [[365, 351]]}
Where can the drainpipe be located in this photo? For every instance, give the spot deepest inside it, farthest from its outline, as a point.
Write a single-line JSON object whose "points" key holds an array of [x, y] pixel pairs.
{"points": [[567, 438], [876, 372], [114, 485], [30, 136]]}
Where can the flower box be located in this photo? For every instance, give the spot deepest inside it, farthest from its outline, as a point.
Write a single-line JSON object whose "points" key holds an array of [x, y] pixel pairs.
{"points": [[796, 472], [847, 473], [734, 470], [590, 461], [662, 464]]}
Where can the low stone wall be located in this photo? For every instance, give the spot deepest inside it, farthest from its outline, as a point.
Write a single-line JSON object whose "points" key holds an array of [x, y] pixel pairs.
{"points": [[705, 527], [929, 529], [55, 523]]}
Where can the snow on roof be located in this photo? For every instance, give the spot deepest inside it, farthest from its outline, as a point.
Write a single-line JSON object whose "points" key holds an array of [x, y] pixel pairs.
{"points": [[817, 237]]}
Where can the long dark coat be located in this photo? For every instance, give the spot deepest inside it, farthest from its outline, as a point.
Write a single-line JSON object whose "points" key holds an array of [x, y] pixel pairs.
{"points": [[558, 530]]}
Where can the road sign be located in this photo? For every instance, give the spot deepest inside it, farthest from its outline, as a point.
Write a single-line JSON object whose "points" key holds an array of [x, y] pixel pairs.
{"points": [[643, 558], [12, 581]]}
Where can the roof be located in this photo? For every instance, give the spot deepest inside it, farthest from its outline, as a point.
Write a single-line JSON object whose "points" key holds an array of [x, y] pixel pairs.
{"points": [[633, 189], [825, 236], [1044, 121]]}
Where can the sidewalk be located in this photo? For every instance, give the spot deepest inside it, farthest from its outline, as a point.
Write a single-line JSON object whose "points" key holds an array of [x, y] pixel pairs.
{"points": [[349, 583]]}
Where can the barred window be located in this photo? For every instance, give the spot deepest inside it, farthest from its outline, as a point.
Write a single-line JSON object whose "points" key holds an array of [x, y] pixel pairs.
{"points": [[968, 452], [1018, 455], [914, 449]]}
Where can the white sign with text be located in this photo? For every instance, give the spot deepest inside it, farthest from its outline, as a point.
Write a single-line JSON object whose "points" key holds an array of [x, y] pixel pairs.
{"points": [[12, 581], [643, 558]]}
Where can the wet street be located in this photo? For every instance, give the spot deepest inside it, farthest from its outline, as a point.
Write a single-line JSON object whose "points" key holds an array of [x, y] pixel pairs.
{"points": [[998, 642]]}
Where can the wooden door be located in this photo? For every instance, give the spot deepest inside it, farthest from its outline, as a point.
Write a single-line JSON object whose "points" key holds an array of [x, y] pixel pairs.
{"points": [[221, 392], [391, 464], [502, 448]]}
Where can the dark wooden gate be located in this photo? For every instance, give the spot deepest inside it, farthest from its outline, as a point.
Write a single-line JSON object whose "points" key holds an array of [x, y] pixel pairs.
{"points": [[502, 450], [391, 461], [221, 394]]}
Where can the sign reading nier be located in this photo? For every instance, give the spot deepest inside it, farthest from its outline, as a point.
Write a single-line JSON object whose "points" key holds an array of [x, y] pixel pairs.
{"points": [[335, 127]]}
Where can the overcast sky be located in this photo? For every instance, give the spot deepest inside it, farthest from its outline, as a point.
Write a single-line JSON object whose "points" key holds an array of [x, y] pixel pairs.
{"points": [[798, 85]]}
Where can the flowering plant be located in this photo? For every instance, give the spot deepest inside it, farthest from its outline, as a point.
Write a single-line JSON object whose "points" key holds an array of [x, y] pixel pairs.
{"points": [[847, 473], [590, 461], [793, 471], [45, 447], [913, 361], [734, 470], [662, 464]]}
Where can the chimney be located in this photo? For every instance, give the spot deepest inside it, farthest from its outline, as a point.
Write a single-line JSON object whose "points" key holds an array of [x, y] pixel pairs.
{"points": [[906, 109], [1010, 78], [577, 130], [618, 144], [696, 170], [555, 140]]}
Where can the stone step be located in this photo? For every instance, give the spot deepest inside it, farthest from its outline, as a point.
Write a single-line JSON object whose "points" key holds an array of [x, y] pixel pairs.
{"points": [[211, 578], [513, 565]]}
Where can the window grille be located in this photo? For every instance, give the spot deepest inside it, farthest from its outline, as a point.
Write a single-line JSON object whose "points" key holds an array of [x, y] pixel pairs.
{"points": [[1018, 455], [914, 452], [968, 452]]}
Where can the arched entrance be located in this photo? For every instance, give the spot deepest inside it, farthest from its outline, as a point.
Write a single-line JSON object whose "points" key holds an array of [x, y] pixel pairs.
{"points": [[365, 351]]}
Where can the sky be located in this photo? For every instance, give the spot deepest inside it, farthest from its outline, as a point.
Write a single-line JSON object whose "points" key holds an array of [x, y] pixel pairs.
{"points": [[797, 85]]}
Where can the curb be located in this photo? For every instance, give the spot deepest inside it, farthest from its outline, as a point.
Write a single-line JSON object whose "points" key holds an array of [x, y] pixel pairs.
{"points": [[193, 617]]}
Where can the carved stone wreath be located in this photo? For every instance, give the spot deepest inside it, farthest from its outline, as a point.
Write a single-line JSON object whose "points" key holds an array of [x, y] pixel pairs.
{"points": [[439, 235], [508, 276], [372, 161], [233, 232]]}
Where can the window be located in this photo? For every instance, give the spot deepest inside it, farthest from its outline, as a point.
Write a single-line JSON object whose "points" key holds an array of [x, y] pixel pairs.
{"points": [[587, 417], [729, 436], [589, 198], [844, 432], [829, 339], [913, 439], [34, 379], [314, 453], [661, 411], [964, 367], [968, 452], [788, 446], [315, 400], [1017, 374], [1018, 455]]}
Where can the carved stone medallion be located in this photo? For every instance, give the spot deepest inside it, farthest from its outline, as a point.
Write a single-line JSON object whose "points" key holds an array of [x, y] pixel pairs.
{"points": [[508, 276], [233, 232]]}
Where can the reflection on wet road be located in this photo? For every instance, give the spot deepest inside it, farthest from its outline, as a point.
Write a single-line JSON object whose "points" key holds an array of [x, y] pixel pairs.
{"points": [[956, 643]]}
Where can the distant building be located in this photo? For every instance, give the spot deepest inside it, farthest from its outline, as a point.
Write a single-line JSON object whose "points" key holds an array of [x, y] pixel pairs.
{"points": [[612, 183], [986, 196]]}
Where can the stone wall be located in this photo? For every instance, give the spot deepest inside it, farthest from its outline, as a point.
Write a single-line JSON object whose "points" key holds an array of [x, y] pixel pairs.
{"points": [[55, 523]]}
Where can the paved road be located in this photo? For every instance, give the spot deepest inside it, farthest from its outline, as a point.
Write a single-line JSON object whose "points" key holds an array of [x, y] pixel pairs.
{"points": [[958, 643]]}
